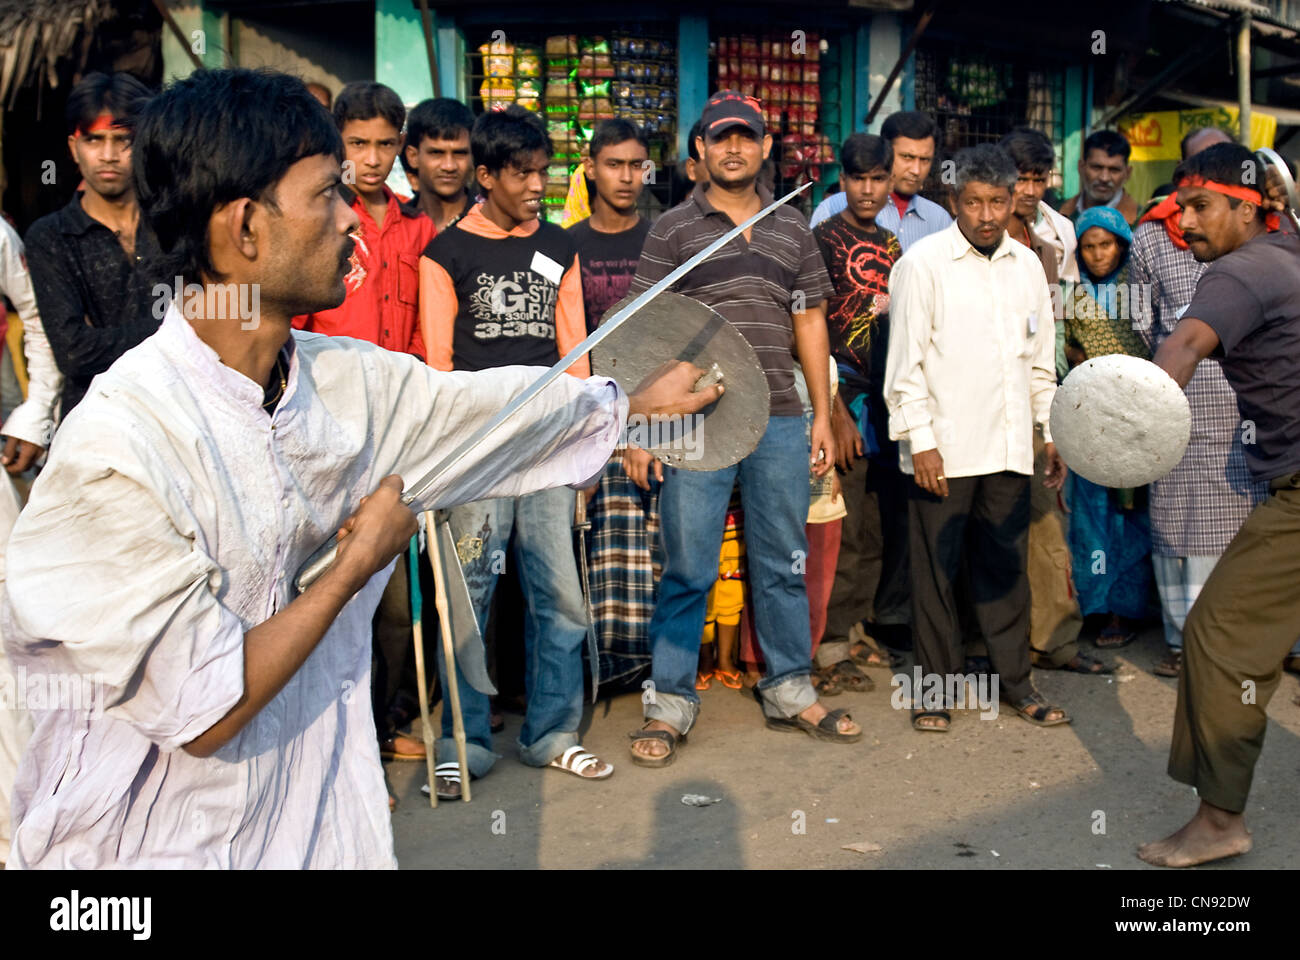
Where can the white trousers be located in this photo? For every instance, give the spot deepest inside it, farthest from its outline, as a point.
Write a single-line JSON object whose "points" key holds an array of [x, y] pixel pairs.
{"points": [[15, 723]]}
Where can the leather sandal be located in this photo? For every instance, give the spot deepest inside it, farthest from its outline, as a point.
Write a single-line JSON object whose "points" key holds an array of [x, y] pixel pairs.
{"points": [[826, 729], [666, 737]]}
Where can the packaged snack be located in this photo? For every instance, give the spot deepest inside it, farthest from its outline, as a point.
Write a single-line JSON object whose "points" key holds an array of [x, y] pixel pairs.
{"points": [[593, 88], [561, 90], [561, 45], [498, 59], [497, 93], [528, 61]]}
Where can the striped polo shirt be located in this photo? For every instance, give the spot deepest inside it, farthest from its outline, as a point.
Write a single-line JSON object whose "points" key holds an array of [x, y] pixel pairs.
{"points": [[752, 284]]}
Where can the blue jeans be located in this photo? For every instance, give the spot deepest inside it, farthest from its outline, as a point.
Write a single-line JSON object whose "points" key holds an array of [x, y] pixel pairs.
{"points": [[555, 624], [693, 507]]}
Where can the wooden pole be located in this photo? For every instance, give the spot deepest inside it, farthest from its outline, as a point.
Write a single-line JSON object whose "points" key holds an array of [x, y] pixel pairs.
{"points": [[417, 631], [1243, 80], [161, 7], [448, 652], [426, 27], [902, 59]]}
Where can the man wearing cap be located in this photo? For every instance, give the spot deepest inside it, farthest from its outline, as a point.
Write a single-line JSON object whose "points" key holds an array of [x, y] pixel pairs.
{"points": [[771, 286], [1246, 313]]}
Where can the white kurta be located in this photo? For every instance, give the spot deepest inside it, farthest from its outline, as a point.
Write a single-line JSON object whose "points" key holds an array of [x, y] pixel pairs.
{"points": [[170, 520], [33, 421]]}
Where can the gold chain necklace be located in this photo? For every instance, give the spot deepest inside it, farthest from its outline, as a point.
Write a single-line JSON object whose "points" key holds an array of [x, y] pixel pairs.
{"points": [[284, 381]]}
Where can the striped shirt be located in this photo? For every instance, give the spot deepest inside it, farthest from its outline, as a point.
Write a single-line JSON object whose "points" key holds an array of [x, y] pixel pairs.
{"points": [[1198, 506], [923, 217], [751, 284]]}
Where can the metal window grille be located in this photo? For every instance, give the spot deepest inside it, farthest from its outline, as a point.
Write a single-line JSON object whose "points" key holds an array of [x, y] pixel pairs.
{"points": [[574, 76], [978, 95]]}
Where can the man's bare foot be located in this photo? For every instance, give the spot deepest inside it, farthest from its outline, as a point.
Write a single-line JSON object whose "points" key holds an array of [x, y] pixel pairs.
{"points": [[653, 748], [1212, 834], [818, 711]]}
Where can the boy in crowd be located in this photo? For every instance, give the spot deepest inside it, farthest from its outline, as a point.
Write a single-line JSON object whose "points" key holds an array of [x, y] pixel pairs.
{"points": [[94, 264], [437, 150], [380, 307], [859, 256], [624, 519], [609, 241], [500, 288]]}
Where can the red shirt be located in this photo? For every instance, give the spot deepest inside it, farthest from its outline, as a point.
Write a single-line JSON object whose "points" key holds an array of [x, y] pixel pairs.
{"points": [[382, 304]]}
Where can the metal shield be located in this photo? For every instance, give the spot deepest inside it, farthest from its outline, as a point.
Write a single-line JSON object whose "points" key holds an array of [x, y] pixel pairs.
{"points": [[676, 327]]}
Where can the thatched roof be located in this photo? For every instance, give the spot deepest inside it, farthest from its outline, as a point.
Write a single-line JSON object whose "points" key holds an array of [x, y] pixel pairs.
{"points": [[35, 35]]}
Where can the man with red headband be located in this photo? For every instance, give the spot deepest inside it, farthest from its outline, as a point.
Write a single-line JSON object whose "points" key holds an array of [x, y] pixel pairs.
{"points": [[1246, 314], [93, 263], [1197, 508]]}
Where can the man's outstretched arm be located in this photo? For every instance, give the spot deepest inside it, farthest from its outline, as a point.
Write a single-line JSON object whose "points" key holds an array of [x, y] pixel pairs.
{"points": [[1191, 342]]}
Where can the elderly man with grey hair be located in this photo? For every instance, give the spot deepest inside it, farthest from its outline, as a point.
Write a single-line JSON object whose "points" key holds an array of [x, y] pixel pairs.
{"points": [[971, 370]]}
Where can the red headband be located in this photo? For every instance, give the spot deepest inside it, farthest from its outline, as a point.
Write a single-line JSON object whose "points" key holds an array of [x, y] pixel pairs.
{"points": [[103, 124], [1227, 189], [1271, 220]]}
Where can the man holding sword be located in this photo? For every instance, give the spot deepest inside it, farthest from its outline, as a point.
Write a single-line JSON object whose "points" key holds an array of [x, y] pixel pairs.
{"points": [[228, 724]]}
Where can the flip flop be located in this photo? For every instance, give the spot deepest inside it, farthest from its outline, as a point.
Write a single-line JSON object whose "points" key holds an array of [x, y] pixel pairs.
{"points": [[731, 679], [703, 681]]}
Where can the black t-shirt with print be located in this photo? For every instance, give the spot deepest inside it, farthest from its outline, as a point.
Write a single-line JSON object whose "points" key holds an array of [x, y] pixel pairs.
{"points": [[608, 262], [506, 291], [857, 314]]}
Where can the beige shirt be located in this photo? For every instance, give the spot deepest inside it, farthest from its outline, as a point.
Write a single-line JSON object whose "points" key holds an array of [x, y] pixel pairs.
{"points": [[971, 364], [1058, 232]]}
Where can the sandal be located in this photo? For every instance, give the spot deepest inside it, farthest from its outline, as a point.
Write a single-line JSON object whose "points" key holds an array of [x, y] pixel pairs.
{"points": [[1171, 665], [1115, 635], [919, 715], [1082, 663], [825, 683], [577, 761], [666, 737], [1035, 709], [729, 678], [703, 680], [870, 656], [851, 678], [446, 777], [398, 748], [826, 729]]}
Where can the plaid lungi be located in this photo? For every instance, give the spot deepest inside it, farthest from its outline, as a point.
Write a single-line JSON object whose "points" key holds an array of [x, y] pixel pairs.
{"points": [[623, 571]]}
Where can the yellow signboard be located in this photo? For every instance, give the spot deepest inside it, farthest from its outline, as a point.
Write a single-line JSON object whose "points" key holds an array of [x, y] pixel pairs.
{"points": [[1156, 136]]}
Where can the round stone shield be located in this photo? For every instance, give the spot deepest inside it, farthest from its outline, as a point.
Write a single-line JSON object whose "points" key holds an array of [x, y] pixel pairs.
{"points": [[1120, 421], [676, 327]]}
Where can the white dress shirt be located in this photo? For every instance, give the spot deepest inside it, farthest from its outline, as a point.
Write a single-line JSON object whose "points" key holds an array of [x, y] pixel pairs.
{"points": [[33, 419], [971, 364], [170, 520], [1058, 231]]}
